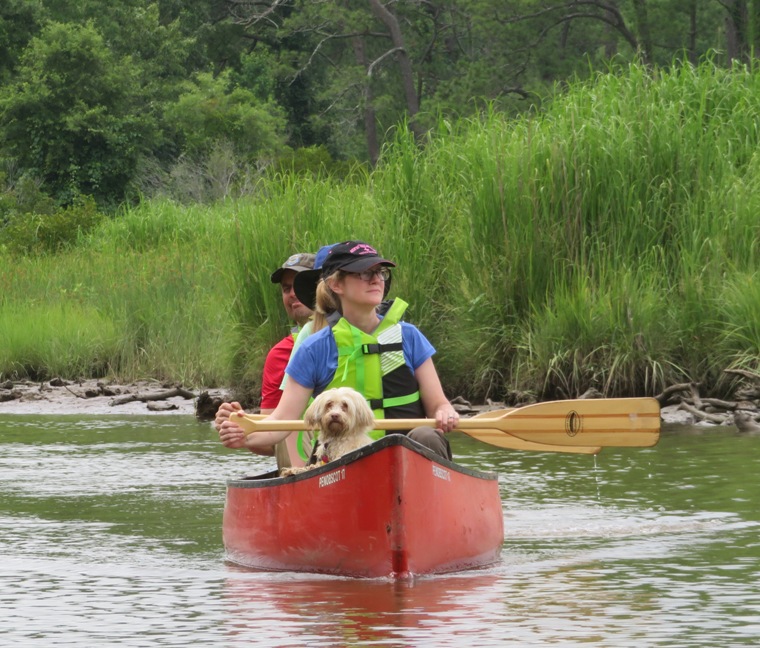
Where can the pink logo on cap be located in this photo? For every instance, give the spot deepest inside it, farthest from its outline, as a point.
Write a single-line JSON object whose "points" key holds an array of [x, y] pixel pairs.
{"points": [[363, 248]]}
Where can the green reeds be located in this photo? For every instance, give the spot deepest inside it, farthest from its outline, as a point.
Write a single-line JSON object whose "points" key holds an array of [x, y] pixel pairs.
{"points": [[626, 190], [64, 339], [160, 303], [610, 241]]}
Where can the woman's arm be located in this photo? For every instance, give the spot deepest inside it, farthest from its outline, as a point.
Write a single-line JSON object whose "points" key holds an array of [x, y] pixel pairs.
{"points": [[291, 407], [434, 401]]}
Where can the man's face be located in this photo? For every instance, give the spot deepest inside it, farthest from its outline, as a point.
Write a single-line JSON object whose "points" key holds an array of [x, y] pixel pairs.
{"points": [[296, 311]]}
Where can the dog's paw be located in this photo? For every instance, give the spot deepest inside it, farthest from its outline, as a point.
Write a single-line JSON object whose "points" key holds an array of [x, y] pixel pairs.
{"points": [[295, 470]]}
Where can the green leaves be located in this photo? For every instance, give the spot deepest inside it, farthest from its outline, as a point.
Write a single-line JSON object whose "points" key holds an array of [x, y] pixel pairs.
{"points": [[52, 230], [212, 110], [73, 115]]}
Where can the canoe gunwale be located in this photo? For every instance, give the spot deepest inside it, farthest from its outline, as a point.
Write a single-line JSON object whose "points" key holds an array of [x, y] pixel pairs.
{"points": [[272, 478]]}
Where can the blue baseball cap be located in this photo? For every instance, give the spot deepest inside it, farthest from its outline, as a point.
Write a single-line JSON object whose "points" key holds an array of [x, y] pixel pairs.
{"points": [[322, 253], [306, 288]]}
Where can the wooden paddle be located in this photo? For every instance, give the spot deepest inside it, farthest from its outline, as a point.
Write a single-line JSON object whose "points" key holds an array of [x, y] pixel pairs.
{"points": [[627, 422], [588, 423], [506, 440], [249, 423]]}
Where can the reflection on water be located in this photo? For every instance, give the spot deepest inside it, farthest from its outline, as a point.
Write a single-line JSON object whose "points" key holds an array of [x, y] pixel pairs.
{"points": [[110, 535]]}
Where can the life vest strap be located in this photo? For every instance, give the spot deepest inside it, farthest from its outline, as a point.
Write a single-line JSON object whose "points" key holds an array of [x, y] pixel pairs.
{"points": [[395, 401], [382, 348]]}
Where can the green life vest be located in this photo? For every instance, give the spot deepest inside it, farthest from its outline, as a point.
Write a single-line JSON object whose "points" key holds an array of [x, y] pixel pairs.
{"points": [[375, 366]]}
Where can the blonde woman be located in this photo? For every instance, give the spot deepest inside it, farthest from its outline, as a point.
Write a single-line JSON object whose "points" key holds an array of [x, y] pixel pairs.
{"points": [[386, 359]]}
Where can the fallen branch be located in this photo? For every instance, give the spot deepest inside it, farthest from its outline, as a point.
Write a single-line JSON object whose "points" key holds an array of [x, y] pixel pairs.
{"points": [[664, 397], [713, 418], [131, 398], [720, 404], [695, 396], [71, 391], [751, 375]]}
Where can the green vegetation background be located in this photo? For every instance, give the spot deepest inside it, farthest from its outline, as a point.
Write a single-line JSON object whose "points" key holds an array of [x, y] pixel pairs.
{"points": [[611, 240]]}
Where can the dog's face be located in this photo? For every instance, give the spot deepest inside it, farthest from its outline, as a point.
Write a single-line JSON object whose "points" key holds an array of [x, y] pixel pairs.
{"points": [[340, 411]]}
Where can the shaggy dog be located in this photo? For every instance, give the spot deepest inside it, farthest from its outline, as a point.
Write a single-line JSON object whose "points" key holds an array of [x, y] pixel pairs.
{"points": [[343, 420]]}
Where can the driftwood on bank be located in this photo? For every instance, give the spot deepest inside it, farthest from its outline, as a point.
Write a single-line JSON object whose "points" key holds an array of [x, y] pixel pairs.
{"points": [[718, 419], [58, 390], [682, 402], [743, 412], [672, 394], [750, 375], [130, 398]]}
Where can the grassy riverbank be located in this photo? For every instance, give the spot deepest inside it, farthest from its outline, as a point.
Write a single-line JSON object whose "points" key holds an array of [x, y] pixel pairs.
{"points": [[611, 241]]}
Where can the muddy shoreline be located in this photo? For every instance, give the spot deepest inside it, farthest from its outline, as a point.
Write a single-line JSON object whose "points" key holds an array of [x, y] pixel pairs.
{"points": [[149, 397], [100, 397]]}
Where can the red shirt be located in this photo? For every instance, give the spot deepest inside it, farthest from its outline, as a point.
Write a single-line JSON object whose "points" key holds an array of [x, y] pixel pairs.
{"points": [[274, 372]]}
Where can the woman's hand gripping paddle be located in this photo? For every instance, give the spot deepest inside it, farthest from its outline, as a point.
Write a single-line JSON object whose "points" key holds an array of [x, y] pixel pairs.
{"points": [[581, 425]]}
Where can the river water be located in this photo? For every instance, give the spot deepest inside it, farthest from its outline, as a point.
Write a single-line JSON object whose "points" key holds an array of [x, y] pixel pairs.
{"points": [[110, 535]]}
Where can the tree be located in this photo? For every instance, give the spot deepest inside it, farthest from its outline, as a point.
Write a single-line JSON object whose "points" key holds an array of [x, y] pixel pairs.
{"points": [[106, 88], [657, 31], [19, 21], [742, 29], [211, 110], [74, 114], [361, 51]]}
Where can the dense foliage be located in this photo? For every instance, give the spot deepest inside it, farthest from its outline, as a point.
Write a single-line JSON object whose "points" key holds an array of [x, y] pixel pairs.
{"points": [[195, 99], [610, 240]]}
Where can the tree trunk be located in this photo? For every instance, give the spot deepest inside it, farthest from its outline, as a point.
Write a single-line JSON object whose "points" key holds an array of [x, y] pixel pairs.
{"points": [[692, 42], [370, 123], [610, 34], [404, 62], [642, 27], [736, 30], [753, 20]]}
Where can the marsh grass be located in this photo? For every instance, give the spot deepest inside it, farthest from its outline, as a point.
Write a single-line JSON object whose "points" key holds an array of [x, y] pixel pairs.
{"points": [[610, 241], [83, 344]]}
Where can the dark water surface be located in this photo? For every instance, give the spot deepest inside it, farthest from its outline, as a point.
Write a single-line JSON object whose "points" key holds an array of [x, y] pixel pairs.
{"points": [[110, 535]]}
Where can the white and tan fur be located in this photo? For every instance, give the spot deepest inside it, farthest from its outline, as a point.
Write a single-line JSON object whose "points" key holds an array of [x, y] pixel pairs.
{"points": [[343, 420]]}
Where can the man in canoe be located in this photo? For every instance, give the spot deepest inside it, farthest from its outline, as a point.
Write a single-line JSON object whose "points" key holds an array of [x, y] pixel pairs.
{"points": [[389, 361], [279, 355]]}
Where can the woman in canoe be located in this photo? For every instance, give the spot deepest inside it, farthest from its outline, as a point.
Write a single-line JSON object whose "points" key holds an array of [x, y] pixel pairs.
{"points": [[389, 361]]}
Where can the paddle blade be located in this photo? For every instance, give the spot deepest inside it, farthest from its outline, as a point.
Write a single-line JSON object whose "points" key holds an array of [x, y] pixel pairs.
{"points": [[505, 440], [622, 422]]}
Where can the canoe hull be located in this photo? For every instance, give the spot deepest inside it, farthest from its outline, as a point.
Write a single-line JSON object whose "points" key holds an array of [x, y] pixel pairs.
{"points": [[392, 509]]}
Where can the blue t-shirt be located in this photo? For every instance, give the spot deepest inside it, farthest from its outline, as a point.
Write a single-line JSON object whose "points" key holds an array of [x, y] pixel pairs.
{"points": [[315, 362]]}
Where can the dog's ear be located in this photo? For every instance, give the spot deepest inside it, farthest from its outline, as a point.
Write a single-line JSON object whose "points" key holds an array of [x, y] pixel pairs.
{"points": [[312, 414], [363, 415]]}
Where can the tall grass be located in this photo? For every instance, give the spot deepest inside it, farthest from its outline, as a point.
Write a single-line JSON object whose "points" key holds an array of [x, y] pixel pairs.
{"points": [[151, 279], [610, 241], [43, 340], [632, 190]]}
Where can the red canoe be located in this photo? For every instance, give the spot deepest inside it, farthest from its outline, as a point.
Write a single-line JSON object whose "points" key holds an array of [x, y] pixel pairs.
{"points": [[391, 509]]}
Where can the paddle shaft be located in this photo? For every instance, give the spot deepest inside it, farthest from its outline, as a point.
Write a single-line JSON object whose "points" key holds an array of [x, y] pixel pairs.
{"points": [[633, 422], [495, 438]]}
